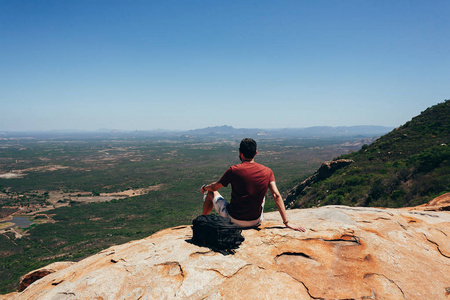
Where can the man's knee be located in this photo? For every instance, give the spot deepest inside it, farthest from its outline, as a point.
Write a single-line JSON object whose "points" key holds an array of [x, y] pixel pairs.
{"points": [[209, 196], [215, 194]]}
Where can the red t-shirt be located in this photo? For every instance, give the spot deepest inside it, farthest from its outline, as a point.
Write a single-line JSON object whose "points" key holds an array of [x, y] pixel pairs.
{"points": [[249, 184]]}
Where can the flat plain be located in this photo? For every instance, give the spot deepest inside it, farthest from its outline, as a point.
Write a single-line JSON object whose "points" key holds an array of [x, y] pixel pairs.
{"points": [[84, 194]]}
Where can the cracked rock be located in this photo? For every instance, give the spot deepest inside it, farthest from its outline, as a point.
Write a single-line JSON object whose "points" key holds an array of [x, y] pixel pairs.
{"points": [[338, 257]]}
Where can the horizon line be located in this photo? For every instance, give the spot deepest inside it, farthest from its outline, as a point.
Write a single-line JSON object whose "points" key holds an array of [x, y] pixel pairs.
{"points": [[72, 130]]}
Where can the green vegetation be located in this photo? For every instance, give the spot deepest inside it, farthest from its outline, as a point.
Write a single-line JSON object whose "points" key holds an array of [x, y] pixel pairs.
{"points": [[104, 165], [407, 167]]}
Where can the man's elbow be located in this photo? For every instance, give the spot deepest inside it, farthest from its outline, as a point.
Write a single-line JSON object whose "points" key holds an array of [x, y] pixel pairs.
{"points": [[277, 197]]}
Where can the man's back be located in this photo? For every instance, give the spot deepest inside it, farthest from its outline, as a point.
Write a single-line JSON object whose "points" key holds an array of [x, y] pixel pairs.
{"points": [[249, 182]]}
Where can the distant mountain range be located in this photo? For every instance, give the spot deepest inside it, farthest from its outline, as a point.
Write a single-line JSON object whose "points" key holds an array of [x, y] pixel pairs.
{"points": [[317, 131], [218, 131]]}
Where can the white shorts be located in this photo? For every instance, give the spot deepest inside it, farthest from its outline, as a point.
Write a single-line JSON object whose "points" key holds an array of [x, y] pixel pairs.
{"points": [[220, 205]]}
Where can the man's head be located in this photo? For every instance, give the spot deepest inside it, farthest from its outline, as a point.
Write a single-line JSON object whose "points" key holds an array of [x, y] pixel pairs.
{"points": [[248, 148]]}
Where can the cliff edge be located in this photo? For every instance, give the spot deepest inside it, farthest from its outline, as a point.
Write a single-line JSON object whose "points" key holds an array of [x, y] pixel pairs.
{"points": [[346, 253]]}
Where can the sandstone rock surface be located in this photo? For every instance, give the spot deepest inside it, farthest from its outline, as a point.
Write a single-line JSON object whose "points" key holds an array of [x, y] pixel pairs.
{"points": [[35, 275], [346, 253]]}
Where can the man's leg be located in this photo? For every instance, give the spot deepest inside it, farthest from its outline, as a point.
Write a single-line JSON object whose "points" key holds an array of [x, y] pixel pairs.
{"points": [[208, 203]]}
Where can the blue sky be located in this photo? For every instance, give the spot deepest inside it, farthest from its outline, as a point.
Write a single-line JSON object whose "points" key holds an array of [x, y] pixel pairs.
{"points": [[190, 64]]}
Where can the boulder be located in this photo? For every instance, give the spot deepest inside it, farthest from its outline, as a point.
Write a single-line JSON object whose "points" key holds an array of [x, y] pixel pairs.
{"points": [[439, 203], [346, 253]]}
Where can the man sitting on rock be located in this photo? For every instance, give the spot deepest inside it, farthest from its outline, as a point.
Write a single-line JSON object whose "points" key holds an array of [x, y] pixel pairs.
{"points": [[249, 183]]}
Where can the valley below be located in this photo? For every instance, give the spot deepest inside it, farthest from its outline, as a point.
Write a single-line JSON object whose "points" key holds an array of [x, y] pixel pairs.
{"points": [[82, 195]]}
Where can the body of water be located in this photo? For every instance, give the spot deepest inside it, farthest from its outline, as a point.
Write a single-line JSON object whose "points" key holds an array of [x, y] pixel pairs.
{"points": [[23, 222]]}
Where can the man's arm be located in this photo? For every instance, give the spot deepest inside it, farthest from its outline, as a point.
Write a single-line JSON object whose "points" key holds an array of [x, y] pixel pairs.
{"points": [[212, 190], [280, 206], [213, 187]]}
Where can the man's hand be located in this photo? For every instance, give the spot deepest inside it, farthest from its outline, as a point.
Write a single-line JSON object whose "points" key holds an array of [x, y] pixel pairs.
{"points": [[215, 186], [295, 227]]}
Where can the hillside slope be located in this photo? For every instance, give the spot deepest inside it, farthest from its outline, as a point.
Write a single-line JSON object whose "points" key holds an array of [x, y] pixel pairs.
{"points": [[406, 167]]}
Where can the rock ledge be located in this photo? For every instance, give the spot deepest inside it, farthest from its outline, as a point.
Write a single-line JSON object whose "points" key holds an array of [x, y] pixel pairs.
{"points": [[346, 253]]}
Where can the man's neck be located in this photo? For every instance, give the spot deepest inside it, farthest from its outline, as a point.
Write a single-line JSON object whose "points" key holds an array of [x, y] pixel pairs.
{"points": [[248, 160]]}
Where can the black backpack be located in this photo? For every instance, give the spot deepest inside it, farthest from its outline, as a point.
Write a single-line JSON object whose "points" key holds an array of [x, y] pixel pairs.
{"points": [[217, 233]]}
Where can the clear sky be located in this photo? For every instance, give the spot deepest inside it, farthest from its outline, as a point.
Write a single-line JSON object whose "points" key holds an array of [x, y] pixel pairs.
{"points": [[192, 64]]}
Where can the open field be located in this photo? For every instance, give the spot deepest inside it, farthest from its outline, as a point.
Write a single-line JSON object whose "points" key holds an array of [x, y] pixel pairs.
{"points": [[84, 195]]}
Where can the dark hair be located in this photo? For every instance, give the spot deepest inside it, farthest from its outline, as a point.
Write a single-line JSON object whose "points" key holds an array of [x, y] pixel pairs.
{"points": [[248, 148]]}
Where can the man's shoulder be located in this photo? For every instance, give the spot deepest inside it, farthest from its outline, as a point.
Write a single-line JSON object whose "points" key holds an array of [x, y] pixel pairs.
{"points": [[253, 165], [261, 166]]}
